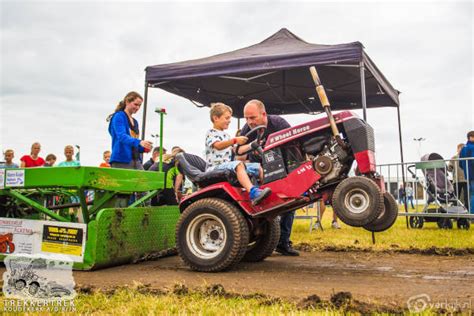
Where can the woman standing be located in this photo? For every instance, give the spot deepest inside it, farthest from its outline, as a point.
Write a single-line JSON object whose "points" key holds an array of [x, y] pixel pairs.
{"points": [[126, 145], [32, 160]]}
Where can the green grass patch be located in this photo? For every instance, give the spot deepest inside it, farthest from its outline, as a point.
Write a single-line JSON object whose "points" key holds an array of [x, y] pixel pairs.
{"points": [[429, 239], [211, 300]]}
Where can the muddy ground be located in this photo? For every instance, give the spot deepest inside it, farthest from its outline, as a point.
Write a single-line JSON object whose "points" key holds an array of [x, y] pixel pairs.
{"points": [[381, 278]]}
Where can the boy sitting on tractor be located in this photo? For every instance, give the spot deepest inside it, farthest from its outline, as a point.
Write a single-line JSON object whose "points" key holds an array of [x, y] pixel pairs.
{"points": [[219, 153]]}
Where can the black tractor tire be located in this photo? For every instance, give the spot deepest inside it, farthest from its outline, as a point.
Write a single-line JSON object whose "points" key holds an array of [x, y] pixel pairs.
{"points": [[387, 218], [416, 222], [463, 223], [265, 244], [445, 223], [357, 201], [211, 235]]}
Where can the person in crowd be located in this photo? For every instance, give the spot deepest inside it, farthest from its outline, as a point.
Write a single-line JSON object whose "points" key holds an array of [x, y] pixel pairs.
{"points": [[50, 160], [155, 155], [106, 158], [255, 114], [171, 194], [468, 167], [69, 154], [127, 148], [409, 195], [460, 182], [33, 159], [219, 153], [401, 194], [322, 209], [8, 155]]}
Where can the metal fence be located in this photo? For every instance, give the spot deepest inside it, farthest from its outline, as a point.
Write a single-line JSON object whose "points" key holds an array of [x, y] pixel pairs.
{"points": [[433, 189], [436, 190]]}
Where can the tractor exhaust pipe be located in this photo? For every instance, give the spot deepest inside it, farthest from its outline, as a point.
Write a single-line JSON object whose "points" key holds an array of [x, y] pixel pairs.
{"points": [[325, 103]]}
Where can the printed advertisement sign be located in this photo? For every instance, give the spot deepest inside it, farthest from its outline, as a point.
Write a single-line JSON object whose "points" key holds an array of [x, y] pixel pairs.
{"points": [[15, 178], [21, 236]]}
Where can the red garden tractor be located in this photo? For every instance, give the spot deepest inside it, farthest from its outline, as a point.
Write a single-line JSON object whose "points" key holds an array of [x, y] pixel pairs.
{"points": [[219, 226]]}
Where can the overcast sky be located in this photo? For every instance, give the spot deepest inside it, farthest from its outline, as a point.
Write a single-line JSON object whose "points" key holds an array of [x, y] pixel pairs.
{"points": [[65, 65]]}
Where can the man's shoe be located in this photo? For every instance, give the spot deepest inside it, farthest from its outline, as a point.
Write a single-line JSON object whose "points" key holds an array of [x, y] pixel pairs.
{"points": [[258, 195], [287, 250], [335, 225]]}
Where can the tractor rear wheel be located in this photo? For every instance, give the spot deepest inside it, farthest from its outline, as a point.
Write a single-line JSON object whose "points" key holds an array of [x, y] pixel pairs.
{"points": [[211, 235], [387, 218], [264, 244], [357, 201]]}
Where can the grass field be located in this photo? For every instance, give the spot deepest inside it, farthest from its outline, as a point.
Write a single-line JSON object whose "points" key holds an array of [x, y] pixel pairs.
{"points": [[210, 300], [398, 237]]}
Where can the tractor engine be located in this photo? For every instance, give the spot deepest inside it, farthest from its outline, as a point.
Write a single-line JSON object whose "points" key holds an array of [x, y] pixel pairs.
{"points": [[331, 162]]}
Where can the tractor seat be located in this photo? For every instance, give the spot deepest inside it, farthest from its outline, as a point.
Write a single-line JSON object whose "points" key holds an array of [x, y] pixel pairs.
{"points": [[194, 167]]}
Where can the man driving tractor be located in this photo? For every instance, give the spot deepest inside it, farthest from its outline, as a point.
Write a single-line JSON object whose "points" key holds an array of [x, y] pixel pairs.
{"points": [[256, 115]]}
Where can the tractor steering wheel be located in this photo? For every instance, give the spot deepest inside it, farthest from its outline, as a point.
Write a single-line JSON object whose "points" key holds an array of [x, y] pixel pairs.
{"points": [[255, 145]]}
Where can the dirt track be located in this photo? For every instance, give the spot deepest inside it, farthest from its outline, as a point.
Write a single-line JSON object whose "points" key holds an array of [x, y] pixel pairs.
{"points": [[371, 277]]}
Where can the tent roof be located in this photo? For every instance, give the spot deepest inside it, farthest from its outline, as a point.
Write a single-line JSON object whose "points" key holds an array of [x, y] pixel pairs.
{"points": [[276, 72]]}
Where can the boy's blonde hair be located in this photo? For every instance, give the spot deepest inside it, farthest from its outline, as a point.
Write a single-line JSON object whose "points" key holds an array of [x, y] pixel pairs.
{"points": [[69, 147], [8, 151], [218, 109]]}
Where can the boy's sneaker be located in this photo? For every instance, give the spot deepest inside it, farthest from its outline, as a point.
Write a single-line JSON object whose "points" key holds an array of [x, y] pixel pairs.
{"points": [[258, 195], [335, 225]]}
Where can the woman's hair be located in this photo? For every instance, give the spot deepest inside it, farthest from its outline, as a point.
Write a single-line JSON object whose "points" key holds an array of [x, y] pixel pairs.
{"points": [[130, 97], [218, 109]]}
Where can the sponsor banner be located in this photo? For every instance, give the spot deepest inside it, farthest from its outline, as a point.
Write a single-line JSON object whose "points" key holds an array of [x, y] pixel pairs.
{"points": [[44, 281], [22, 236], [15, 178]]}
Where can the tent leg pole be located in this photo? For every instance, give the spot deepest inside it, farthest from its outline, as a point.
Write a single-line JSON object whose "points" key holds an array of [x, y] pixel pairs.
{"points": [[362, 88], [144, 110], [401, 157]]}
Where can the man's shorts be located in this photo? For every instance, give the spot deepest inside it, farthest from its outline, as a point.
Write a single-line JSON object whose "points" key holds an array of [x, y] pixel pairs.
{"points": [[253, 168]]}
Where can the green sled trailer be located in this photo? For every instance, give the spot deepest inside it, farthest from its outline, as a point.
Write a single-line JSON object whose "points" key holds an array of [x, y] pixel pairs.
{"points": [[100, 216]]}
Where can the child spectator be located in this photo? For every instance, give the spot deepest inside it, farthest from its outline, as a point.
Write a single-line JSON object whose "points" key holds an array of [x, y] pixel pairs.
{"points": [[219, 152], [32, 160], [322, 209], [69, 162], [50, 160], [106, 157], [9, 154], [409, 195]]}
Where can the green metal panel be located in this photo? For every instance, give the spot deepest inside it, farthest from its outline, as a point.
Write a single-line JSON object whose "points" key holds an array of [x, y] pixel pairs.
{"points": [[432, 164], [110, 179], [124, 235]]}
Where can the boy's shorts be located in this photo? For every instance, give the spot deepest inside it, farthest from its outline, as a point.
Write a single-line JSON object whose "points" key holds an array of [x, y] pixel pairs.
{"points": [[253, 168]]}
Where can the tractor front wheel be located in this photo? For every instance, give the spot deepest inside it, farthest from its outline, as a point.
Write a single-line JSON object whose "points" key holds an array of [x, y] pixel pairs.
{"points": [[387, 218], [357, 201], [211, 235]]}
